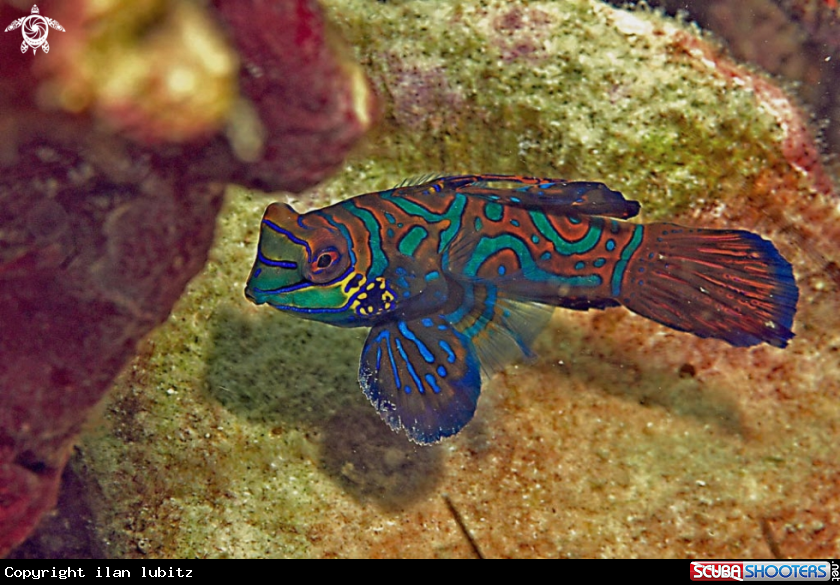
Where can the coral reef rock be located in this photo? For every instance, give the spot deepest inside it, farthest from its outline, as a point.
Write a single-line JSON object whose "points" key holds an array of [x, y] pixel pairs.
{"points": [[239, 431], [116, 149]]}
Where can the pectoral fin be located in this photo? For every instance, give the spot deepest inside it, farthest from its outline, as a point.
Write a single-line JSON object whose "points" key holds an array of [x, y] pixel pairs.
{"points": [[422, 376]]}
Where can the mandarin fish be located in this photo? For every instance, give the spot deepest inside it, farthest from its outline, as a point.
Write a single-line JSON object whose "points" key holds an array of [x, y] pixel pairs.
{"points": [[456, 277]]}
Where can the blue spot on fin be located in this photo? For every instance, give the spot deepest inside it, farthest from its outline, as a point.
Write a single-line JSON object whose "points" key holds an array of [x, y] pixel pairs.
{"points": [[422, 376]]}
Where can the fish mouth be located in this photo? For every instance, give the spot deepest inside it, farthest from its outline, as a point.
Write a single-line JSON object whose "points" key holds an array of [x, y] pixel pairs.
{"points": [[250, 296], [252, 291]]}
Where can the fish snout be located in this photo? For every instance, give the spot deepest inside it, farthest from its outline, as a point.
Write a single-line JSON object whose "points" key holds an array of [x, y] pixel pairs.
{"points": [[249, 294]]}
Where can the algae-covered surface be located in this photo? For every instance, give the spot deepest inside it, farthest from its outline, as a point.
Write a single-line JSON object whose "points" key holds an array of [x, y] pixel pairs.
{"points": [[242, 432]]}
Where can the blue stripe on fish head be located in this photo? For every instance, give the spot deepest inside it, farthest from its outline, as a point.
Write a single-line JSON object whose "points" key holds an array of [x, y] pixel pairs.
{"points": [[281, 253]]}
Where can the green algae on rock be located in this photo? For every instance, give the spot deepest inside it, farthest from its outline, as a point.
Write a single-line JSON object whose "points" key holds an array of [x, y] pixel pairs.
{"points": [[570, 89], [621, 440]]}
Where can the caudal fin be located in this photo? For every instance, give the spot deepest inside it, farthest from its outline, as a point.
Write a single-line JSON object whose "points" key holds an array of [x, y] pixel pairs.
{"points": [[728, 284]]}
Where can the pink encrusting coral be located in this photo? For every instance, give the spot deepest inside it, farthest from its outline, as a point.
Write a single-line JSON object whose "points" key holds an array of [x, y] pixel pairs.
{"points": [[116, 150]]}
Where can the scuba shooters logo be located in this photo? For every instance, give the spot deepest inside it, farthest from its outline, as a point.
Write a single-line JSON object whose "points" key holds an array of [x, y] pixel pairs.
{"points": [[764, 571], [717, 571], [35, 29]]}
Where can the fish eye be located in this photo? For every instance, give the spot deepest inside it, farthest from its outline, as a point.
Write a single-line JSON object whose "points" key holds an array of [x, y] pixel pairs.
{"points": [[325, 259], [325, 265]]}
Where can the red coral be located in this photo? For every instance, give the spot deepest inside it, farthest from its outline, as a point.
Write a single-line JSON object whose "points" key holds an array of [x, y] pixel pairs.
{"points": [[312, 103]]}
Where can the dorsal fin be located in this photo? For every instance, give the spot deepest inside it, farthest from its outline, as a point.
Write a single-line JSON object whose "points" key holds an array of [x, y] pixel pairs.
{"points": [[552, 195], [419, 180], [555, 196]]}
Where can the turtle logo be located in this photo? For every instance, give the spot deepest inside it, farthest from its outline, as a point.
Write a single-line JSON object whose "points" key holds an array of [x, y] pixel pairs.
{"points": [[35, 30]]}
